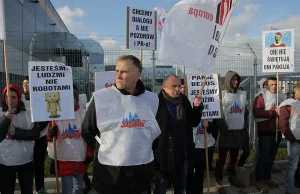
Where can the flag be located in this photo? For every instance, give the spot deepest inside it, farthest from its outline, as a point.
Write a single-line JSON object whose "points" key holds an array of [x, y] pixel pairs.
{"points": [[193, 32], [161, 15], [2, 21]]}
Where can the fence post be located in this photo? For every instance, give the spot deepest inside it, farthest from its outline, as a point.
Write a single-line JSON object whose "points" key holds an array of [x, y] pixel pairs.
{"points": [[254, 91]]}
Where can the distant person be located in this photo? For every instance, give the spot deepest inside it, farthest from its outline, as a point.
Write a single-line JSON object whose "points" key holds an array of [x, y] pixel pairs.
{"points": [[182, 89], [278, 39]]}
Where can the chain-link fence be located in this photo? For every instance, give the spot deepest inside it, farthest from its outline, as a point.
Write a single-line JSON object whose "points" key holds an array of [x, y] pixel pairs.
{"points": [[83, 61]]}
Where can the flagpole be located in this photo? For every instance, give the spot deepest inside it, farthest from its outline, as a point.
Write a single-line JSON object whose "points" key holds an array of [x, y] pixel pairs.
{"points": [[205, 142], [7, 76]]}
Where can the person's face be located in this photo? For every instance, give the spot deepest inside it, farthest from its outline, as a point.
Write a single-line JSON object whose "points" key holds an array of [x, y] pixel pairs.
{"points": [[277, 39], [182, 90], [172, 87], [272, 86], [13, 99], [26, 85], [297, 93], [127, 74], [234, 82]]}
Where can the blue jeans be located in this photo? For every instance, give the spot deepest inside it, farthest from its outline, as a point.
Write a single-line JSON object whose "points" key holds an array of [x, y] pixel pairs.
{"points": [[161, 184], [268, 148], [294, 153], [72, 184]]}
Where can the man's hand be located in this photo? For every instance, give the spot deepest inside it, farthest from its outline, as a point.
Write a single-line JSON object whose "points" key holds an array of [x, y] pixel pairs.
{"points": [[10, 113], [204, 122], [197, 100]]}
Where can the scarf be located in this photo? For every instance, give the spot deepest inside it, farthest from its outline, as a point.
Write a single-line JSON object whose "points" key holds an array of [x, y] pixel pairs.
{"points": [[177, 102]]}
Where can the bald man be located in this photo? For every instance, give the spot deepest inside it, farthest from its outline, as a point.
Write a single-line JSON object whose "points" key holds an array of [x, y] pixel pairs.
{"points": [[173, 149]]}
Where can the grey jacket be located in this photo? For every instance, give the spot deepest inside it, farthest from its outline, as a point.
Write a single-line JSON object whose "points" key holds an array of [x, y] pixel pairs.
{"points": [[233, 138]]}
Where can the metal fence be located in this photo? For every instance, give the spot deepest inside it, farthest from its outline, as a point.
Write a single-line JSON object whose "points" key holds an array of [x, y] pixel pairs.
{"points": [[154, 70]]}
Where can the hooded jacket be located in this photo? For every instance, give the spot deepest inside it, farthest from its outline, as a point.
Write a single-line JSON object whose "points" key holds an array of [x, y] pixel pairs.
{"points": [[20, 134], [227, 137]]}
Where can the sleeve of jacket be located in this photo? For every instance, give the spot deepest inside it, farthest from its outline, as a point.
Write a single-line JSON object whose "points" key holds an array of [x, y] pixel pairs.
{"points": [[284, 124], [22, 134], [89, 127], [4, 125], [259, 109], [197, 114]]}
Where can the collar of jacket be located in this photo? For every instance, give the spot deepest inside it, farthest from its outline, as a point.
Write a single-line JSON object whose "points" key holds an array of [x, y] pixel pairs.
{"points": [[140, 89]]}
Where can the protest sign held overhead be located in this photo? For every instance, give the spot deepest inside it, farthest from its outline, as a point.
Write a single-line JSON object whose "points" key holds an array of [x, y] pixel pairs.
{"points": [[141, 29], [278, 51], [210, 94], [51, 91], [193, 32], [104, 79]]}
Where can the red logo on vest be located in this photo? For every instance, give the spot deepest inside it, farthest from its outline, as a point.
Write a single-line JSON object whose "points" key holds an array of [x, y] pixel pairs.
{"points": [[132, 122]]}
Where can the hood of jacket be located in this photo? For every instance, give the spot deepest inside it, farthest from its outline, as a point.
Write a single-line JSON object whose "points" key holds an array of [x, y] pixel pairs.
{"points": [[228, 78]]}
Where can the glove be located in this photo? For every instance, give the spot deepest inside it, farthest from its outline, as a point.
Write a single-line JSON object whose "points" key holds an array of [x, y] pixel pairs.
{"points": [[53, 131], [88, 160]]}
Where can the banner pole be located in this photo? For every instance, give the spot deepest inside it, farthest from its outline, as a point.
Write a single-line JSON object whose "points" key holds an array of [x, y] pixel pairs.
{"points": [[7, 75], [205, 141], [55, 161]]}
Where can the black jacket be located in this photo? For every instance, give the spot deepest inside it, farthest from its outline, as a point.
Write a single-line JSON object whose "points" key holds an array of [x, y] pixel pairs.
{"points": [[163, 146], [20, 134], [115, 179]]}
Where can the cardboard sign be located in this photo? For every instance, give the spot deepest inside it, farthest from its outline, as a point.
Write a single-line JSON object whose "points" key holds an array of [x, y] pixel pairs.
{"points": [[141, 29], [210, 94], [104, 79], [51, 91], [278, 51]]}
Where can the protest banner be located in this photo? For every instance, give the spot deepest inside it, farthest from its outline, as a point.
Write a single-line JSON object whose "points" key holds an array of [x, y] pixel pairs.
{"points": [[141, 29], [104, 79], [278, 51], [193, 31], [51, 91], [211, 96]]}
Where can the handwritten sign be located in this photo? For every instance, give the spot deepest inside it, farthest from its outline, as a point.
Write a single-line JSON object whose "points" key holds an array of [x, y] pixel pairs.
{"points": [[141, 29], [51, 91], [210, 94]]}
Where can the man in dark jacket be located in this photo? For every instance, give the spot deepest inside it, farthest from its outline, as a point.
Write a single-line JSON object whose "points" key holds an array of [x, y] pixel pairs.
{"points": [[234, 134], [173, 149], [40, 146], [124, 117], [264, 111]]}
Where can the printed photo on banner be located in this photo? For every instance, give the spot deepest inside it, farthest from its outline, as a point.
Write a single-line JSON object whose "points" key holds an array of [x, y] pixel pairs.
{"points": [[104, 79], [51, 91], [278, 51], [210, 94]]}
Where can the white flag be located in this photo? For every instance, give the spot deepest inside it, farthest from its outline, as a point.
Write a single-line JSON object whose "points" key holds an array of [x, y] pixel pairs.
{"points": [[193, 32], [161, 15], [2, 21]]}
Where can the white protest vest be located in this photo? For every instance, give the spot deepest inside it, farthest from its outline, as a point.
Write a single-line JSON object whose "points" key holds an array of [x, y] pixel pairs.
{"points": [[28, 111], [270, 101], [127, 126], [198, 133], [234, 109], [294, 120], [70, 145], [17, 152]]}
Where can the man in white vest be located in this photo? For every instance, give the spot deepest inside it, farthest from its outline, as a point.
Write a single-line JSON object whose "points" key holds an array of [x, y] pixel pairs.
{"points": [[289, 124], [235, 134], [123, 119], [264, 111]]}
